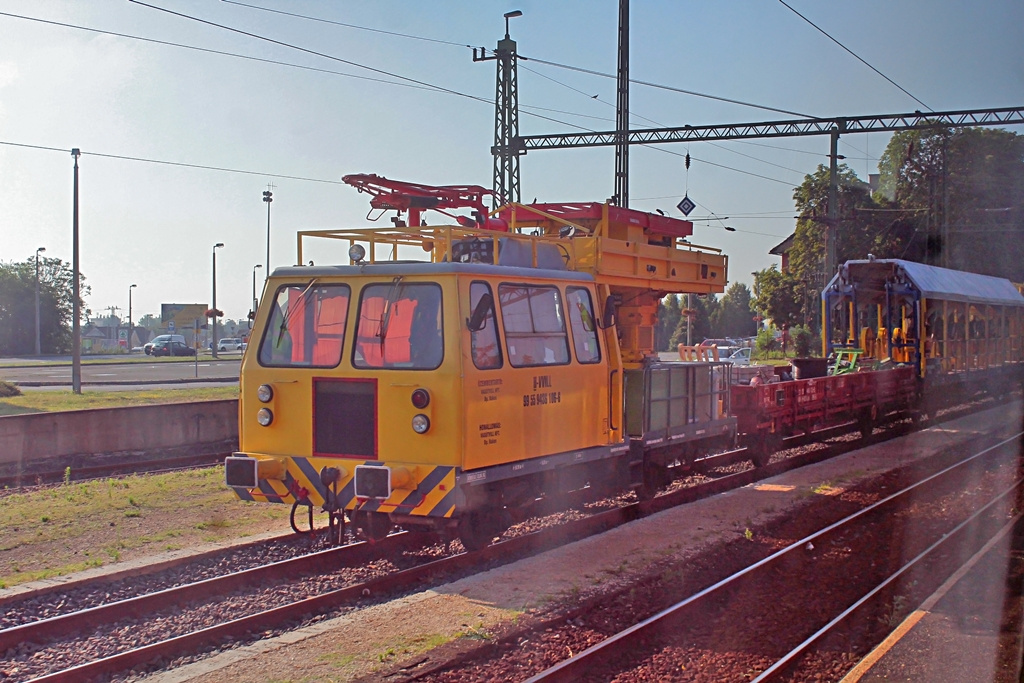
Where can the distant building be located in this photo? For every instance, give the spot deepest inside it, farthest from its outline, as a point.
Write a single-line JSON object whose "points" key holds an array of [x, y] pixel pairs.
{"points": [[782, 249]]}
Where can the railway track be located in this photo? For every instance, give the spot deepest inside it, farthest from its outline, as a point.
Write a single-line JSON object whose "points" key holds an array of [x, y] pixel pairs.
{"points": [[653, 648], [229, 620]]}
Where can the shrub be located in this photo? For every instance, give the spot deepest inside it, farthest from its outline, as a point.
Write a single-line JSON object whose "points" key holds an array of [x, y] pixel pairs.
{"points": [[7, 390], [803, 341], [766, 342]]}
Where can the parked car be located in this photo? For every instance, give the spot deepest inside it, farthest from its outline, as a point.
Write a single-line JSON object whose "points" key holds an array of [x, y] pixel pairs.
{"points": [[171, 347], [740, 356], [229, 344], [148, 348], [720, 343]]}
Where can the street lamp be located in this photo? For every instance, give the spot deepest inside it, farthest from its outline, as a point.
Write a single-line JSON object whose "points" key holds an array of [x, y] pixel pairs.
{"points": [[37, 299], [255, 303], [130, 288], [268, 197], [213, 323]]}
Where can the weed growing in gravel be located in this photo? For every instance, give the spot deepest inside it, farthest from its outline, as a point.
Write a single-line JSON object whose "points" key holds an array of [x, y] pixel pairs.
{"points": [[896, 613], [748, 534], [477, 632], [823, 488]]}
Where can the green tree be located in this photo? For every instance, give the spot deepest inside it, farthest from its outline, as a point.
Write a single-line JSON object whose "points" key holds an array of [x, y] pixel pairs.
{"points": [[17, 306], [734, 317], [703, 307], [150, 322], [774, 297], [958, 193], [669, 313]]}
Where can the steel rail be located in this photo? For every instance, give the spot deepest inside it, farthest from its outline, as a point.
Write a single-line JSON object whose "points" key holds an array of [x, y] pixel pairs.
{"points": [[575, 667], [515, 547], [528, 544], [52, 628], [780, 666]]}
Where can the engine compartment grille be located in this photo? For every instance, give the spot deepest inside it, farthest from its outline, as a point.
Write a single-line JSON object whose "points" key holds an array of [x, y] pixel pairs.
{"points": [[345, 417]]}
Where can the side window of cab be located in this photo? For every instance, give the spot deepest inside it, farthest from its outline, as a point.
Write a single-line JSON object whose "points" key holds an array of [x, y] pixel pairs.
{"points": [[484, 346]]}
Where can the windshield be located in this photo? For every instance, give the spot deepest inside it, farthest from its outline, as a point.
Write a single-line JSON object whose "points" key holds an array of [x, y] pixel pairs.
{"points": [[399, 327], [306, 326]]}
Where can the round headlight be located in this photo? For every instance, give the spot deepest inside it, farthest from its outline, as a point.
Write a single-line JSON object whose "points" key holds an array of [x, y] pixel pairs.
{"points": [[265, 393], [265, 417], [420, 424], [356, 252], [420, 399]]}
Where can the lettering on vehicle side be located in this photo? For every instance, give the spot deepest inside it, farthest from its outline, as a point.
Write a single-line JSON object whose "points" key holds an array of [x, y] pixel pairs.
{"points": [[490, 432], [541, 398], [489, 389]]}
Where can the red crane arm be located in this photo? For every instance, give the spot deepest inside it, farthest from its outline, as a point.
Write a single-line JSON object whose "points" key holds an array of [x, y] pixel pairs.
{"points": [[398, 195]]}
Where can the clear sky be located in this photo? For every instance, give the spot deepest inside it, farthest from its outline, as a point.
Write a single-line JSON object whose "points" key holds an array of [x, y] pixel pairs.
{"points": [[155, 225]]}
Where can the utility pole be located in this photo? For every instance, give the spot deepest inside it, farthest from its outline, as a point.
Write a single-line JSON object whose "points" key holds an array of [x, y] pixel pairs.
{"points": [[505, 181], [130, 325], [76, 312], [38, 343], [622, 111], [213, 321], [832, 222]]}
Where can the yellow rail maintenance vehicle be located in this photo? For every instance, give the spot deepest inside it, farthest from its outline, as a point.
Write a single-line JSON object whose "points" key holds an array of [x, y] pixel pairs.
{"points": [[513, 364]]}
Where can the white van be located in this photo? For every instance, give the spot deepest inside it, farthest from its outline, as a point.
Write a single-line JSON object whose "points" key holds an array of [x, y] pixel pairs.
{"points": [[148, 348]]}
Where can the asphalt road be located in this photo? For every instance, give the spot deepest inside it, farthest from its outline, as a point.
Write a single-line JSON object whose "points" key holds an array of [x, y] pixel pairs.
{"points": [[127, 375]]}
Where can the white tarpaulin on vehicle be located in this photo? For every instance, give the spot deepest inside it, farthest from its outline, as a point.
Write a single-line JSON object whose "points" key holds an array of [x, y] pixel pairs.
{"points": [[931, 281]]}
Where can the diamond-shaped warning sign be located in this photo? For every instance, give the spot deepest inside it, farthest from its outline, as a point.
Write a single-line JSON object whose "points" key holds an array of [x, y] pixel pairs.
{"points": [[686, 206]]}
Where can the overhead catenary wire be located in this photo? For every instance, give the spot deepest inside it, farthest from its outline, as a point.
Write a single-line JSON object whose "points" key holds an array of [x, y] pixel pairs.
{"points": [[403, 81], [165, 162], [414, 85], [858, 57], [534, 71], [410, 82]]}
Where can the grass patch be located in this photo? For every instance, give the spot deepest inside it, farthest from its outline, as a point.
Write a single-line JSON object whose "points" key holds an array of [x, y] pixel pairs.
{"points": [[97, 522], [56, 401]]}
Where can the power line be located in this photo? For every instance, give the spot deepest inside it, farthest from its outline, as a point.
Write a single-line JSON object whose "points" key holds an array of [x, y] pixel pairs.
{"points": [[414, 85], [857, 56], [340, 23], [521, 57], [311, 52], [387, 73], [662, 87], [210, 50], [174, 163]]}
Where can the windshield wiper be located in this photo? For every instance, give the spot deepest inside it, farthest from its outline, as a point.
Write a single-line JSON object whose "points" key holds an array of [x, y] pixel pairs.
{"points": [[286, 319], [385, 317]]}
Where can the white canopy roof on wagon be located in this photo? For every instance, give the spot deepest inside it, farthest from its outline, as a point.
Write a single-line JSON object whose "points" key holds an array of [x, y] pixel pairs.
{"points": [[870, 277]]}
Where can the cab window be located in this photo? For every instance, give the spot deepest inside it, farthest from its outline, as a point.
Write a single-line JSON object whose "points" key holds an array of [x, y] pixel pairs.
{"points": [[399, 327], [306, 326], [581, 319], [534, 325], [484, 342]]}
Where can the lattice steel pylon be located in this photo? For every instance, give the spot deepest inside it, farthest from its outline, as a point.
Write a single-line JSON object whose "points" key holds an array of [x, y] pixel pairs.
{"points": [[621, 197], [506, 151]]}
